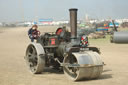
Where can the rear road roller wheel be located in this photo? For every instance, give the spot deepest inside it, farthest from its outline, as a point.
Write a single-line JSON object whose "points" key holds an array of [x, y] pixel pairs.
{"points": [[35, 58], [81, 72]]}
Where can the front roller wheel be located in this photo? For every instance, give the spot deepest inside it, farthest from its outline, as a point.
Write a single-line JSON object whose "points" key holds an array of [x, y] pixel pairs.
{"points": [[35, 58], [89, 65], [71, 72]]}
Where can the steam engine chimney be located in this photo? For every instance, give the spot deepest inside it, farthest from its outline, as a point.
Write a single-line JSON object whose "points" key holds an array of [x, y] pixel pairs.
{"points": [[73, 23]]}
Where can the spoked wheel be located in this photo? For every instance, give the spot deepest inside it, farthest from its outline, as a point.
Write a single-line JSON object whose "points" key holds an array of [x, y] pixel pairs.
{"points": [[71, 71], [35, 59], [77, 66]]}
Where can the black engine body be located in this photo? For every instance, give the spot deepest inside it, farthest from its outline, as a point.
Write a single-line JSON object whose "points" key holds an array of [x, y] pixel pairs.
{"points": [[57, 45]]}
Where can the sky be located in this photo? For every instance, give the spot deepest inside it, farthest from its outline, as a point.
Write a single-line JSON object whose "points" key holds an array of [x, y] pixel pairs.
{"points": [[32, 10]]}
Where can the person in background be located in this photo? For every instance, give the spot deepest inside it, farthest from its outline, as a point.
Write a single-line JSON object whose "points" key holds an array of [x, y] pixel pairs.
{"points": [[33, 33]]}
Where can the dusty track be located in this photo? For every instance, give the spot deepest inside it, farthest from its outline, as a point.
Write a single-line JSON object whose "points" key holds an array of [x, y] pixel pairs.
{"points": [[13, 69]]}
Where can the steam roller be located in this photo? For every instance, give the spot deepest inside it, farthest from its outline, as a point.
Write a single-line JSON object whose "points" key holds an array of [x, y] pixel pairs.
{"points": [[119, 37], [65, 51]]}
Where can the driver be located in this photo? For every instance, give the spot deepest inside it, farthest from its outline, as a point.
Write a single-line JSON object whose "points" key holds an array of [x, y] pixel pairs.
{"points": [[33, 33]]}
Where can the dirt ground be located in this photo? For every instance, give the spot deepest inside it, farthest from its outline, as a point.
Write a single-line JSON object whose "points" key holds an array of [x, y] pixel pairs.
{"points": [[13, 69]]}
